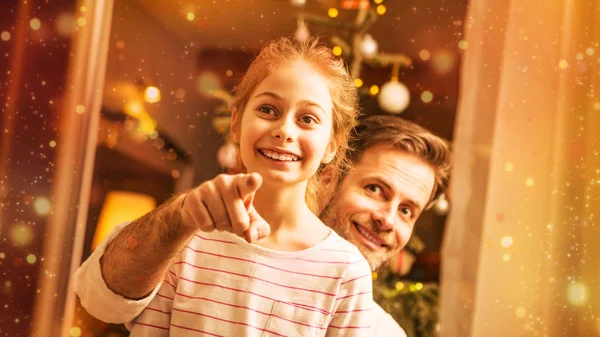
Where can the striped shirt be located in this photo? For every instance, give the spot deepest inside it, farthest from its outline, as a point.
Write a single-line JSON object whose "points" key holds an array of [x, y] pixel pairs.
{"points": [[220, 285]]}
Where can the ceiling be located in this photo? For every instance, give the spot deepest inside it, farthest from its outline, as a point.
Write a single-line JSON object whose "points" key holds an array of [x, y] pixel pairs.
{"points": [[408, 26]]}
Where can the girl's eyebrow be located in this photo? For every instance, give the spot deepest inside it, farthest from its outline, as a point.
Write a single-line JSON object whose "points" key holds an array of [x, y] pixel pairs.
{"points": [[279, 98]]}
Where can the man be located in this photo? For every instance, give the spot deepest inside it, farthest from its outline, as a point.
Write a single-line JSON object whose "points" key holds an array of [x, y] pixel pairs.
{"points": [[399, 169]]}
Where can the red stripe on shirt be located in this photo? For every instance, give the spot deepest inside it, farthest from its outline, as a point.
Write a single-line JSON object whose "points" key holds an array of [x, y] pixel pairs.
{"points": [[217, 240], [225, 320], [163, 296], [256, 278], [262, 264], [298, 305], [169, 283], [356, 278], [158, 310], [196, 330], [357, 294], [350, 327], [349, 311], [248, 308], [152, 326]]}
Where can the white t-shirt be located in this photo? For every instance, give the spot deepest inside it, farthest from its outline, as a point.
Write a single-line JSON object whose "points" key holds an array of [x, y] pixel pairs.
{"points": [[105, 305]]}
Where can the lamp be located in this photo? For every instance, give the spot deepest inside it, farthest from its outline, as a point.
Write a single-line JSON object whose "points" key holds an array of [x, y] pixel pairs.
{"points": [[120, 207]]}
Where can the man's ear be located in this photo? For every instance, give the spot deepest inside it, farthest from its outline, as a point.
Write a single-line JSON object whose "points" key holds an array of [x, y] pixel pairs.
{"points": [[331, 150], [234, 127], [328, 185]]}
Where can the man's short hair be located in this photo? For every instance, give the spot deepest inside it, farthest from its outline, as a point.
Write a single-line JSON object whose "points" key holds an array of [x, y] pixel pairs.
{"points": [[407, 136]]}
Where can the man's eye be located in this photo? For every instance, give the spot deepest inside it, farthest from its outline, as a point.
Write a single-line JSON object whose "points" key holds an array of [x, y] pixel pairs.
{"points": [[267, 109], [406, 212]]}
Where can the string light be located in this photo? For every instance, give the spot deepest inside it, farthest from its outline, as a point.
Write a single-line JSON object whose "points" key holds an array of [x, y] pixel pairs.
{"points": [[374, 90], [337, 50], [152, 94], [332, 12]]}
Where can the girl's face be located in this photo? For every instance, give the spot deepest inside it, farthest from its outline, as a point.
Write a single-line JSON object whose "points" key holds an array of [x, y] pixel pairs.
{"points": [[286, 127]]}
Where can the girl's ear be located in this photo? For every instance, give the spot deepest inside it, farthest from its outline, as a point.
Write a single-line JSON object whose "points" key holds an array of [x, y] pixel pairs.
{"points": [[331, 150], [234, 128]]}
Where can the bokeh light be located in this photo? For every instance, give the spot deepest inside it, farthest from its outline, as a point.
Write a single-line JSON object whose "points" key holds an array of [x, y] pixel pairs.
{"points": [[31, 259], [21, 234], [563, 64], [208, 82], [81, 21], [35, 23], [42, 206], [374, 90], [75, 331], [426, 96], [506, 241], [152, 94], [5, 36], [337, 50], [133, 108], [65, 24], [443, 62], [577, 294]]}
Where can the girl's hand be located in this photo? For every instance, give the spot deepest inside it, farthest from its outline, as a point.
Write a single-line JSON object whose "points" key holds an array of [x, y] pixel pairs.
{"points": [[225, 204]]}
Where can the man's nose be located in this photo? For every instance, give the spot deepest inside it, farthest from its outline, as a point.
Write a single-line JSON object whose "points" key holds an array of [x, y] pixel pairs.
{"points": [[384, 218]]}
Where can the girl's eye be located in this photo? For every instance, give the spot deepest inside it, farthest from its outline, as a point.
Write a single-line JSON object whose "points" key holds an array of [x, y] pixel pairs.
{"points": [[267, 109], [373, 188], [307, 120]]}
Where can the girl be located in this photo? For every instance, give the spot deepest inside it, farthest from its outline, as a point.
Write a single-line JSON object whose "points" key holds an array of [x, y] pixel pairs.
{"points": [[292, 276]]}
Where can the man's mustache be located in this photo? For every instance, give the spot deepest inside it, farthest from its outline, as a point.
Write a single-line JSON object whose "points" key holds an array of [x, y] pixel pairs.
{"points": [[388, 236]]}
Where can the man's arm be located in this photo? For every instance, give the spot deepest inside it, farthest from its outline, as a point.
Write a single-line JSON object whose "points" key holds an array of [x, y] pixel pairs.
{"points": [[136, 260]]}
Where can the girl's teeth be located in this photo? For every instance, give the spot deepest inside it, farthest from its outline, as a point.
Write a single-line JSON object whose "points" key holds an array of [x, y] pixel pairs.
{"points": [[278, 156]]}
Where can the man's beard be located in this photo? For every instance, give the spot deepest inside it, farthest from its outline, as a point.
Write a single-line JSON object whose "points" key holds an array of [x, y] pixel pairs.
{"points": [[341, 225]]}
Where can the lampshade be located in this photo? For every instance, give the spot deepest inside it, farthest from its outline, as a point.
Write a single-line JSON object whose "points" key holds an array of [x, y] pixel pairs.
{"points": [[120, 207]]}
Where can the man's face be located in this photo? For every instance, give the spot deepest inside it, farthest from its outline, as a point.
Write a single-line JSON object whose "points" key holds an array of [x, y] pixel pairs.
{"points": [[376, 205]]}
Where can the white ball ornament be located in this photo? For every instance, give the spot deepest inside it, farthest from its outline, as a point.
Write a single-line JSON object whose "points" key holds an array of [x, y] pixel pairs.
{"points": [[368, 46], [393, 97], [298, 3], [228, 156]]}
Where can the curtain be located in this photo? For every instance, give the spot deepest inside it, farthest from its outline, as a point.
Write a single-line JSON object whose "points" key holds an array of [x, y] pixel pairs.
{"points": [[522, 238]]}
